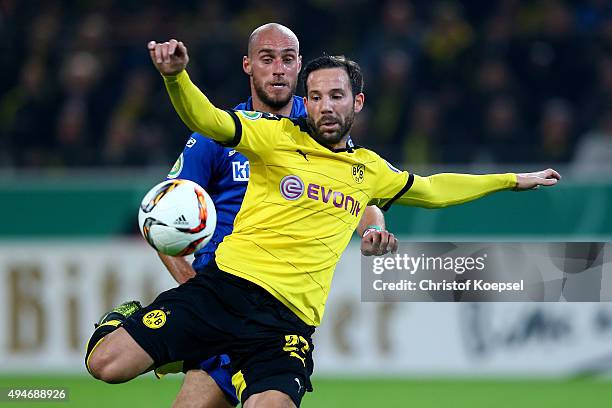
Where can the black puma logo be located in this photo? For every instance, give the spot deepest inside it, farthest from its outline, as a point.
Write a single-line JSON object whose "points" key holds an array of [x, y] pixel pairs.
{"points": [[303, 154]]}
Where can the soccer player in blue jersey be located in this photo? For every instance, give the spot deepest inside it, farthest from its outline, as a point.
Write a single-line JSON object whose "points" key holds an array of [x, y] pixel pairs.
{"points": [[273, 63]]}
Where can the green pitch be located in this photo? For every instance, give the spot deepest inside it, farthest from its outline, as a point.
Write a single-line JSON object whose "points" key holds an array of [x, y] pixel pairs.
{"points": [[333, 393]]}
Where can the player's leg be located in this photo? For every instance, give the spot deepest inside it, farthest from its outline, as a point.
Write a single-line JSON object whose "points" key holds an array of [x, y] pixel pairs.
{"points": [[118, 358], [285, 389], [181, 324], [272, 356], [112, 355], [199, 390], [269, 399]]}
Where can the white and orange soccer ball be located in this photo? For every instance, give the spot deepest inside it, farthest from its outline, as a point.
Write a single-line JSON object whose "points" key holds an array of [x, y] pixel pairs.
{"points": [[177, 217]]}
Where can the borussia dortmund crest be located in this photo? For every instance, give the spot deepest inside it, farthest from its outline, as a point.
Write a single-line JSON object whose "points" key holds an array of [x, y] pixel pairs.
{"points": [[154, 319], [358, 171]]}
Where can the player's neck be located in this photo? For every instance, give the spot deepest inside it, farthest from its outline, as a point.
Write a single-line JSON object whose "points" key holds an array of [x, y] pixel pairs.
{"points": [[258, 105]]}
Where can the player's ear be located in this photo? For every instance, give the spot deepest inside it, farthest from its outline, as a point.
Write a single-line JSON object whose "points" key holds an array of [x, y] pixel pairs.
{"points": [[299, 63], [359, 100], [246, 66]]}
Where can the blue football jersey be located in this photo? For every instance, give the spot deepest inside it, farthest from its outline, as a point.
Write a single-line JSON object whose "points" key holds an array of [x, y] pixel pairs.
{"points": [[224, 174]]}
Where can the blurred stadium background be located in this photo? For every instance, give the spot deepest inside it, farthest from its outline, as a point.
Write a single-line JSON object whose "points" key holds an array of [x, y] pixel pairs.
{"points": [[86, 128]]}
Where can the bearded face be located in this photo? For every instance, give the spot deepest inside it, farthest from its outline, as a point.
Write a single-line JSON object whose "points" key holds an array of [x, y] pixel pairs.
{"points": [[331, 106], [273, 64], [275, 92], [331, 129]]}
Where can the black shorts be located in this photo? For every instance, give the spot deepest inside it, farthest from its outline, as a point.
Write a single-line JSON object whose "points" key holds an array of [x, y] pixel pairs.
{"points": [[219, 313]]}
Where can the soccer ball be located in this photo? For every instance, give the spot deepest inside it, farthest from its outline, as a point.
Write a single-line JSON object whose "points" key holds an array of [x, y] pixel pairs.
{"points": [[177, 217]]}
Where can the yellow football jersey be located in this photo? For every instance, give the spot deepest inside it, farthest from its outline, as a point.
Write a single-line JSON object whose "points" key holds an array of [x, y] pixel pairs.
{"points": [[303, 200], [302, 204]]}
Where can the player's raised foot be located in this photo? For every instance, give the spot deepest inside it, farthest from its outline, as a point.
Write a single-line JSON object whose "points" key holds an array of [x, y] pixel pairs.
{"points": [[120, 313]]}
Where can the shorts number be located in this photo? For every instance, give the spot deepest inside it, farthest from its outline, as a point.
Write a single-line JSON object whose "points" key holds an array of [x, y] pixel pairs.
{"points": [[297, 347]]}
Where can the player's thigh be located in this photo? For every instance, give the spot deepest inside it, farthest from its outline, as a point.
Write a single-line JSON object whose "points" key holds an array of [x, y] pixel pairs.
{"points": [[199, 390], [118, 357], [269, 399], [181, 324]]}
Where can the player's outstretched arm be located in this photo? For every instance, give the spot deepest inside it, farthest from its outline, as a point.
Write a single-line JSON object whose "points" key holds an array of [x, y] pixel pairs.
{"points": [[442, 190], [196, 111]]}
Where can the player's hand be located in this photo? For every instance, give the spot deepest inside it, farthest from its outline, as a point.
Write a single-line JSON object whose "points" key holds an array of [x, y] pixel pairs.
{"points": [[377, 242], [527, 181], [170, 58]]}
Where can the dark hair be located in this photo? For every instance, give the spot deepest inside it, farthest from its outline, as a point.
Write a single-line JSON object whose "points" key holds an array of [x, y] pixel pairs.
{"points": [[335, 61]]}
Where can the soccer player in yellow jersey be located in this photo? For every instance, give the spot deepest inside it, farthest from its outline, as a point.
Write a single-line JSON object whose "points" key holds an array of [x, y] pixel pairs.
{"points": [[273, 62], [307, 190]]}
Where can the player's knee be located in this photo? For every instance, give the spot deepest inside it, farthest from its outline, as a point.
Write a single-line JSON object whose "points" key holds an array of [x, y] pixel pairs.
{"points": [[96, 364], [269, 399], [103, 365]]}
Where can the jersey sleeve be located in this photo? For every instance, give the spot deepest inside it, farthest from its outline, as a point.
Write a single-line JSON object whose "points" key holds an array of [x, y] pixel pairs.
{"points": [[256, 132], [196, 111], [248, 132], [437, 191], [446, 189], [197, 161]]}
